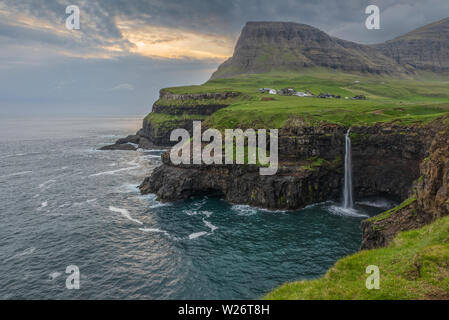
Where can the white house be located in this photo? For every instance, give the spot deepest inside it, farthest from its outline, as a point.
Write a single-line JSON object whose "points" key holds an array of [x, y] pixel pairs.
{"points": [[303, 94], [272, 91]]}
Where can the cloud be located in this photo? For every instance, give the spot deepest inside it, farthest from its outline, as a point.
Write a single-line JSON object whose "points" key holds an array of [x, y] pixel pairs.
{"points": [[192, 29]]}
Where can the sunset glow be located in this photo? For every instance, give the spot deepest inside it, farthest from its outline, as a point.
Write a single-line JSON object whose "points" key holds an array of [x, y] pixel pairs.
{"points": [[170, 43]]}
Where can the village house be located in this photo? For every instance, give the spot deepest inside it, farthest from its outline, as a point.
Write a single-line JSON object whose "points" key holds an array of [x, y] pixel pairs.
{"points": [[303, 94]]}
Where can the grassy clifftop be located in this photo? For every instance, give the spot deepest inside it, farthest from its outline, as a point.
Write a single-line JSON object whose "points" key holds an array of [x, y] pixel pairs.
{"points": [[388, 99], [414, 266]]}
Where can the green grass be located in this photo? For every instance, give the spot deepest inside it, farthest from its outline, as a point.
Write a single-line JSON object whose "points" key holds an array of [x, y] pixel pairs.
{"points": [[406, 100], [162, 119], [388, 213], [200, 102], [414, 266]]}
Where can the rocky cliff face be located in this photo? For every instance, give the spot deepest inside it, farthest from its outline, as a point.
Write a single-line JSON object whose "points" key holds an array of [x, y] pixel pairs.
{"points": [[385, 162], [285, 46], [182, 110], [291, 188], [173, 111], [429, 197]]}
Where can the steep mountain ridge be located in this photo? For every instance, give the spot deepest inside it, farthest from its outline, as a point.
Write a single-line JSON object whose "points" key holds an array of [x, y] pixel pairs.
{"points": [[426, 48], [287, 46]]}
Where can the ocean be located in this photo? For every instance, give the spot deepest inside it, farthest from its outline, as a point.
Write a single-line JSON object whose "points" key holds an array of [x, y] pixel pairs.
{"points": [[63, 203]]}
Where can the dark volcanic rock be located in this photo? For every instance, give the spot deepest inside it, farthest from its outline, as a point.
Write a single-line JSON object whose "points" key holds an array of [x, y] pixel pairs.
{"points": [[129, 139], [429, 198], [204, 110], [129, 143], [119, 146], [159, 135], [385, 163], [290, 189]]}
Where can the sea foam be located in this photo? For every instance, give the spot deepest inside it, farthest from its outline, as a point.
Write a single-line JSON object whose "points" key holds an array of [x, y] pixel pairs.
{"points": [[124, 213]]}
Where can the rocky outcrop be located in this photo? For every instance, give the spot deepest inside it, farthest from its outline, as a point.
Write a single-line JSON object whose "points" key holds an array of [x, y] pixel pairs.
{"points": [[156, 134], [293, 187], [176, 106], [203, 109], [131, 143], [429, 197], [386, 161], [203, 104], [159, 133]]}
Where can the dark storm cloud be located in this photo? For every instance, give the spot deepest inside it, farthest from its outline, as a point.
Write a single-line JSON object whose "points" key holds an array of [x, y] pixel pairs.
{"points": [[344, 18]]}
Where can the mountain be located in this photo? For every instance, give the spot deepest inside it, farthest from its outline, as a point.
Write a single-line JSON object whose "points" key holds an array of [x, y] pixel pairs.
{"points": [[426, 48], [287, 46]]}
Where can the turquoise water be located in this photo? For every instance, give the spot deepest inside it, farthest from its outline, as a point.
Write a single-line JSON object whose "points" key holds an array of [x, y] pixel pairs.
{"points": [[64, 203]]}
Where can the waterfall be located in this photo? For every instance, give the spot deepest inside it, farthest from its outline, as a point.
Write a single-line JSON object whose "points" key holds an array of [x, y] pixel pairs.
{"points": [[348, 201]]}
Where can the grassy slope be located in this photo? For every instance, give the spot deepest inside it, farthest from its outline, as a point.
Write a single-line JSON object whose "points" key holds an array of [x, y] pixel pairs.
{"points": [[414, 266], [407, 100]]}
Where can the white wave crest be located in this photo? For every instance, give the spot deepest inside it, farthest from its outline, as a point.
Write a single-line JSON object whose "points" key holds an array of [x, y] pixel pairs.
{"points": [[210, 225], [46, 183], [244, 210], [54, 275], [205, 213], [197, 235], [23, 253], [154, 230], [16, 174], [124, 213], [114, 171]]}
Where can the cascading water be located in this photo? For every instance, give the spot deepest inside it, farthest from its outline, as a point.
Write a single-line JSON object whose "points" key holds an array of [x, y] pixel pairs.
{"points": [[348, 200]]}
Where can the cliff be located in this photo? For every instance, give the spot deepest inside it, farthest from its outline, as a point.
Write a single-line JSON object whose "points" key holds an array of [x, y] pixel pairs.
{"points": [[386, 162], [429, 197], [170, 112]]}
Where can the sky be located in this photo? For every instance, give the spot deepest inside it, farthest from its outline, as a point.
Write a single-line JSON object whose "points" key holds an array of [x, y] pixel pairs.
{"points": [[127, 50]]}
